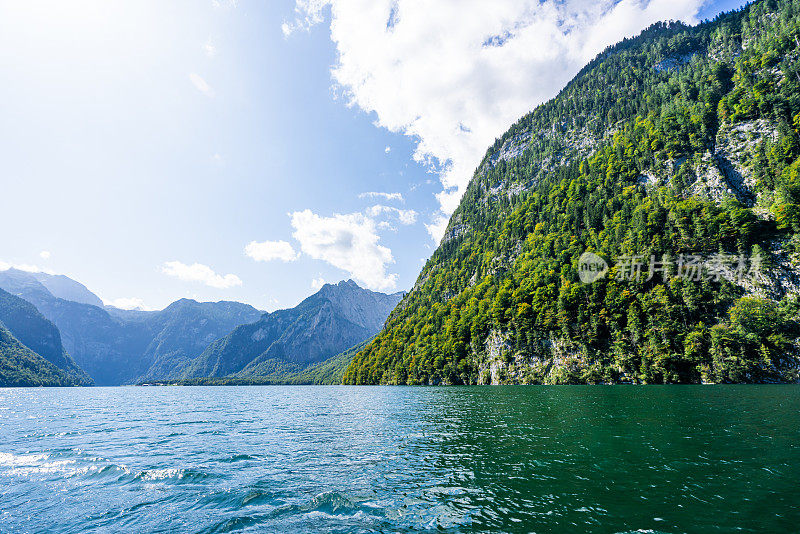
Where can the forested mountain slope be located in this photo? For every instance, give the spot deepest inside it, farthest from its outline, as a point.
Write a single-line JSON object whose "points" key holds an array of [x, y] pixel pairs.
{"points": [[327, 372], [24, 322], [678, 147], [21, 367]]}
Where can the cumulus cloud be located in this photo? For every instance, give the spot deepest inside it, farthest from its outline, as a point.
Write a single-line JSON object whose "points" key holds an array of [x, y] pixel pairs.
{"points": [[349, 242], [45, 254], [404, 216], [127, 303], [271, 250], [197, 272], [379, 194], [201, 85], [454, 75]]}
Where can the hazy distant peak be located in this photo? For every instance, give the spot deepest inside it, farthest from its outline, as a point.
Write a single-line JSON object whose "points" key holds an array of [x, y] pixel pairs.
{"points": [[66, 288]]}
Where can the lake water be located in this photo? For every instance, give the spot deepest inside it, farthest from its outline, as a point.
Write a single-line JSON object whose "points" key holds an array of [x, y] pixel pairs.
{"points": [[389, 459]]}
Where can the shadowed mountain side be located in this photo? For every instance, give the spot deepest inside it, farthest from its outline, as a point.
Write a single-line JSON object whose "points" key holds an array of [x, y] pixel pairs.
{"points": [[326, 323], [38, 334]]}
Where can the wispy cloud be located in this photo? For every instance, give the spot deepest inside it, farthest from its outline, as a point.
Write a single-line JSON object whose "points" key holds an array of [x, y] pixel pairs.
{"points": [[45, 254], [220, 4], [378, 194], [271, 250], [317, 283], [197, 272], [404, 216], [210, 49], [201, 85], [27, 267]]}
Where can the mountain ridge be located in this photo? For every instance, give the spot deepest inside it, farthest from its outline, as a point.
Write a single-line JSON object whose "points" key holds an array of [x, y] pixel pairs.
{"points": [[332, 320]]}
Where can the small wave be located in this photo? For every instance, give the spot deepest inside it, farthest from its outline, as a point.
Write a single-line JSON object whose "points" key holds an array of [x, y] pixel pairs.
{"points": [[173, 474], [239, 458], [62, 464], [331, 502], [255, 497], [12, 460]]}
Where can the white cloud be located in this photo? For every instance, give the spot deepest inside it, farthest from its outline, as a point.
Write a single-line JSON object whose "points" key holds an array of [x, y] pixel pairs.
{"points": [[317, 283], [348, 242], [4, 266], [378, 194], [198, 272], [307, 14], [271, 250], [210, 49], [127, 303], [201, 85], [404, 216], [454, 75], [437, 227], [45, 254], [220, 4], [387, 149]]}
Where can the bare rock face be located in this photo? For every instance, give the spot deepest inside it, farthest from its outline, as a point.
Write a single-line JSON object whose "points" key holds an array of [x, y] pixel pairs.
{"points": [[673, 63], [717, 180], [727, 172]]}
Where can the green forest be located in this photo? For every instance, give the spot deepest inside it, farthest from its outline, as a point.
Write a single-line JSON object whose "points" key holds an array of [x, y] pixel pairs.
{"points": [[624, 162], [20, 366]]}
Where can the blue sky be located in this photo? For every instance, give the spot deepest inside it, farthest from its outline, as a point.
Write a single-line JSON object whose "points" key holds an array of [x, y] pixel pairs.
{"points": [[252, 150]]}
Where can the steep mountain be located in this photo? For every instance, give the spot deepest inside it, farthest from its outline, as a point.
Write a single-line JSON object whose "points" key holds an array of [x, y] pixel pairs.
{"points": [[66, 288], [185, 328], [673, 157], [120, 348], [20, 366], [41, 336], [287, 341], [23, 284], [327, 372]]}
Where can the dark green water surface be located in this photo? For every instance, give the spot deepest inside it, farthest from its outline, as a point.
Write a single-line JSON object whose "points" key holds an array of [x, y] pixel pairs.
{"points": [[401, 459]]}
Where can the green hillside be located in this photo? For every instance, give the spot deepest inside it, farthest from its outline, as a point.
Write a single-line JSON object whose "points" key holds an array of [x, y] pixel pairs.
{"points": [[680, 147], [326, 372], [36, 333], [20, 366]]}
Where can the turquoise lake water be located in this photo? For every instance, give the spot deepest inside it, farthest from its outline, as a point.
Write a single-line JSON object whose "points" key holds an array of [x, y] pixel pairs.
{"points": [[401, 459]]}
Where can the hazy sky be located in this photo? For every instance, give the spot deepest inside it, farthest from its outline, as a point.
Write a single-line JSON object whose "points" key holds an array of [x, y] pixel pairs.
{"points": [[251, 151]]}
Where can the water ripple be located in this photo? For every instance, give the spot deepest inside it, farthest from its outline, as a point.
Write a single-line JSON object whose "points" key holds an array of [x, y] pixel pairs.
{"points": [[349, 459]]}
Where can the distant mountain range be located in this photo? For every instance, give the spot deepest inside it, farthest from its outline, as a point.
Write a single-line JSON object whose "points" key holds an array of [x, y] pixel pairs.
{"points": [[288, 341], [60, 321]]}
